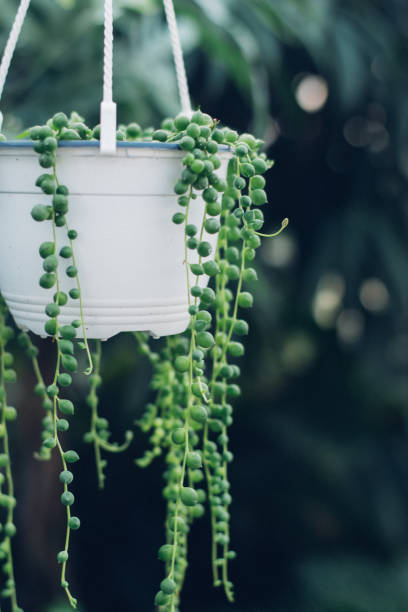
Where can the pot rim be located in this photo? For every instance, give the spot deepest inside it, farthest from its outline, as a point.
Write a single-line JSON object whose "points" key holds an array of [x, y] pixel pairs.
{"points": [[79, 144]]}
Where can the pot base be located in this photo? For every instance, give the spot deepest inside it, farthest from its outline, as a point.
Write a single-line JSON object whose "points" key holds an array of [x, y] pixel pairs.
{"points": [[104, 319]]}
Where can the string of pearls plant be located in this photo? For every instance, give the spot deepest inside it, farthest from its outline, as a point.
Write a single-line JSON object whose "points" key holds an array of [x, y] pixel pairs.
{"points": [[194, 374]]}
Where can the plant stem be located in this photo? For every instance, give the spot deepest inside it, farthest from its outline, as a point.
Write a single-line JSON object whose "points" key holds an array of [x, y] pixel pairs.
{"points": [[9, 475], [89, 369], [71, 599]]}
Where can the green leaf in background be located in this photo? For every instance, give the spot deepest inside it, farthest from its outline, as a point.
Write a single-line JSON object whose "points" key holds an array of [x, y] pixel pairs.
{"points": [[353, 584]]}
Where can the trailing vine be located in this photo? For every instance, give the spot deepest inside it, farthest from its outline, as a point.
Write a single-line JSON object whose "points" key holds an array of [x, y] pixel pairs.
{"points": [[99, 433], [66, 363], [194, 374], [7, 498], [40, 389], [194, 378]]}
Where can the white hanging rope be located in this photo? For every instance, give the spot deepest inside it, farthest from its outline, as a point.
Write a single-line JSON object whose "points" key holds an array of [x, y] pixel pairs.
{"points": [[11, 45], [108, 107], [178, 57], [108, 53]]}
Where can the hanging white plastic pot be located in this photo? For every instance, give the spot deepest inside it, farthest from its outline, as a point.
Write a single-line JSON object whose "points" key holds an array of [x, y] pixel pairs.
{"points": [[130, 255]]}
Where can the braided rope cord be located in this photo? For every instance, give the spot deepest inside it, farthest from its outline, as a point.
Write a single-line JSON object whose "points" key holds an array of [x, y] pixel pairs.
{"points": [[11, 45], [178, 57], [108, 107], [108, 53]]}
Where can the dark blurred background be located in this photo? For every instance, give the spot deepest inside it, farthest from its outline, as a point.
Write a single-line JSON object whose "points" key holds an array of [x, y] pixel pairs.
{"points": [[320, 478]]}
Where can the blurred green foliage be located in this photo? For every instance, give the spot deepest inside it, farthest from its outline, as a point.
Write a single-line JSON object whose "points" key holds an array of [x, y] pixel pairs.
{"points": [[321, 470], [244, 40], [61, 607]]}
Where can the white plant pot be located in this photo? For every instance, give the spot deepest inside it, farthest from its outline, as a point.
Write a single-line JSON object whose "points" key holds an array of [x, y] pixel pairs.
{"points": [[130, 255]]}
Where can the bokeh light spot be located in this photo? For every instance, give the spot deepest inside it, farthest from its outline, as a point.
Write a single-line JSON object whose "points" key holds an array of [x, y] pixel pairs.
{"points": [[279, 252], [374, 295], [350, 326], [311, 93], [328, 299]]}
